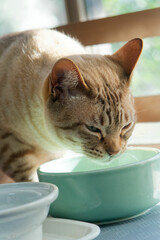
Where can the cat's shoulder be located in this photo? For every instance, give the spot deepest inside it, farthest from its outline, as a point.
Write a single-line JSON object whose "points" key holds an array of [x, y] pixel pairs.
{"points": [[40, 38], [13, 38]]}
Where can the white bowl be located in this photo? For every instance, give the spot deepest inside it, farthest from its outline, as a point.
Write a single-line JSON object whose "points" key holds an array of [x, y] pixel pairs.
{"points": [[65, 229], [23, 209]]}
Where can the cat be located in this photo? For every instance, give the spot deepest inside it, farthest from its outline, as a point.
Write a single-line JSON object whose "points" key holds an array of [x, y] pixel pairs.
{"points": [[54, 96]]}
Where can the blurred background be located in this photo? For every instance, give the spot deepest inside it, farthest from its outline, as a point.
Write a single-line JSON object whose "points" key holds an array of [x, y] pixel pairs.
{"points": [[19, 15]]}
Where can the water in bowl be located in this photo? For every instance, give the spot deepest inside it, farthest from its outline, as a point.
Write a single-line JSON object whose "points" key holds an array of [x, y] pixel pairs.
{"points": [[87, 164], [82, 163]]}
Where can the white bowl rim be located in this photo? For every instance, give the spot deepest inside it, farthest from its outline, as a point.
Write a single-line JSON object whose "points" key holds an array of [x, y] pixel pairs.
{"points": [[94, 228], [106, 170], [43, 201]]}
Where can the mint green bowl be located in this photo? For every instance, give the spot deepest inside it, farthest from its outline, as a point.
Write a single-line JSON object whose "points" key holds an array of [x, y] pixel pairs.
{"points": [[103, 193]]}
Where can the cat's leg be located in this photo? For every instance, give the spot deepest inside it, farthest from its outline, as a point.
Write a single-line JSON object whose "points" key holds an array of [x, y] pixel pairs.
{"points": [[18, 159], [4, 178]]}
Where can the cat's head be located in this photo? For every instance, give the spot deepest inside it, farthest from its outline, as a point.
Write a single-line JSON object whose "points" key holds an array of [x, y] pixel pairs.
{"points": [[88, 102]]}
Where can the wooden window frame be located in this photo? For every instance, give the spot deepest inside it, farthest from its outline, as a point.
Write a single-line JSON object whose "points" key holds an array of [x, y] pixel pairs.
{"points": [[116, 29]]}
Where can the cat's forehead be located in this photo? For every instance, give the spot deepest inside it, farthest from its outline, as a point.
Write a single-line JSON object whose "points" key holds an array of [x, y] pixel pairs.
{"points": [[95, 61], [98, 70]]}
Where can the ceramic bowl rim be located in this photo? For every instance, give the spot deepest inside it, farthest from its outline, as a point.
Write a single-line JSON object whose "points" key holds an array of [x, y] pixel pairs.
{"points": [[106, 170], [44, 200]]}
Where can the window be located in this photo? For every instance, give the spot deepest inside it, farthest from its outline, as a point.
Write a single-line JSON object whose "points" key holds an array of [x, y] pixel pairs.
{"points": [[147, 72], [19, 15], [107, 8]]}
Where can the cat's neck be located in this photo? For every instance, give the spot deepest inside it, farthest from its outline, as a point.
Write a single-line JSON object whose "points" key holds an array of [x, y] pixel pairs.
{"points": [[35, 130], [31, 58]]}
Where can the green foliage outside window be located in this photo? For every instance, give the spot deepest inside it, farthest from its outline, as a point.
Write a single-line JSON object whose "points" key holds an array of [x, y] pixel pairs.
{"points": [[146, 79], [116, 7]]}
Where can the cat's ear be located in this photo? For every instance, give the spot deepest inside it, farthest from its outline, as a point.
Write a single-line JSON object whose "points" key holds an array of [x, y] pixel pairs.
{"points": [[128, 55], [65, 78]]}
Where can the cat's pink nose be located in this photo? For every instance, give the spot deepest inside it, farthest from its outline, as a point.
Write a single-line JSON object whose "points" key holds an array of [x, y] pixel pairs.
{"points": [[113, 153]]}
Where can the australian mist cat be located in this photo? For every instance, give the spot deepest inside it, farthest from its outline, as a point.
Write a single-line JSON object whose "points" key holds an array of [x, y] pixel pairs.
{"points": [[55, 97]]}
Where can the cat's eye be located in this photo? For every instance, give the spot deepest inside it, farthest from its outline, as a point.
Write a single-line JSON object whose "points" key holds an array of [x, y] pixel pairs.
{"points": [[127, 126], [126, 130], [93, 129]]}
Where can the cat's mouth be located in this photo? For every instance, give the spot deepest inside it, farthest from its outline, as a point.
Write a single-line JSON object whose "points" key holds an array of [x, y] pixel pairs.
{"points": [[99, 160], [98, 157], [93, 154], [102, 158]]}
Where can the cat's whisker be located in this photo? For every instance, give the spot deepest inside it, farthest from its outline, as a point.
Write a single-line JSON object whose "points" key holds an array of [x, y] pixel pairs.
{"points": [[93, 154]]}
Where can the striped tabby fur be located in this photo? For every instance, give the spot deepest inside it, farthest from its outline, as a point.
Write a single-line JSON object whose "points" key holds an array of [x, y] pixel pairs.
{"points": [[54, 97]]}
